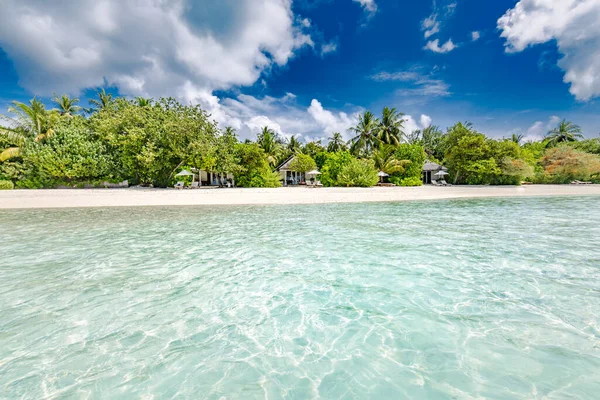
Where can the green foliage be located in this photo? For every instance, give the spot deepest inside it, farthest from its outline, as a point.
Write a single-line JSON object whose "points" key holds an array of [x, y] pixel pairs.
{"points": [[336, 143], [366, 138], [334, 162], [320, 159], [313, 148], [152, 142], [72, 154], [6, 185], [412, 181], [565, 131], [358, 173], [588, 145], [416, 155], [389, 130], [303, 163], [254, 169]]}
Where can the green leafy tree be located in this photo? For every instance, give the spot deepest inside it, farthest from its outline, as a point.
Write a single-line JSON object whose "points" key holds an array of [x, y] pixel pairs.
{"points": [[143, 102], [336, 143], [333, 164], [390, 130], [303, 163], [365, 138], [254, 169], [411, 175], [359, 173], [565, 131], [313, 148]]}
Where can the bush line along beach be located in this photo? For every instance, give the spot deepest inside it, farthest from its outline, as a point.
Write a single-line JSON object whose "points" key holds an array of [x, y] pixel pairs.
{"points": [[163, 143]]}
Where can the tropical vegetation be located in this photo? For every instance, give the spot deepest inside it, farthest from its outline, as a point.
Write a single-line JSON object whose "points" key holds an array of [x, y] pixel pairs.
{"points": [[147, 142]]}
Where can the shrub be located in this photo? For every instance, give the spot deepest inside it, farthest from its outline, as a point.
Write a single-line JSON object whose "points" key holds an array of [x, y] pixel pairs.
{"points": [[359, 173], [564, 164], [254, 170], [334, 162], [6, 185], [412, 181], [416, 155]]}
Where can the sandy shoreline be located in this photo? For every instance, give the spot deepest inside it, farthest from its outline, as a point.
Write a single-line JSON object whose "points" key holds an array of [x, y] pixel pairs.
{"points": [[71, 198]]}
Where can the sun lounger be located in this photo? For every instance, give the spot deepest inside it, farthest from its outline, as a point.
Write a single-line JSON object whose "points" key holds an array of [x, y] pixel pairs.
{"points": [[444, 183], [195, 185], [179, 185], [435, 183]]}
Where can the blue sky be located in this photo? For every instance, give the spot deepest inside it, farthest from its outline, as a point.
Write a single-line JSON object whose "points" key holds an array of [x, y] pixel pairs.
{"points": [[307, 67]]}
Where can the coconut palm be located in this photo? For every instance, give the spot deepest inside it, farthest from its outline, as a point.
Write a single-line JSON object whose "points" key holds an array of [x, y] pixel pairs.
{"points": [[390, 130], [565, 131], [143, 102], [104, 99], [294, 145], [33, 118], [366, 135], [336, 143], [516, 138], [270, 143], [385, 159], [66, 105]]}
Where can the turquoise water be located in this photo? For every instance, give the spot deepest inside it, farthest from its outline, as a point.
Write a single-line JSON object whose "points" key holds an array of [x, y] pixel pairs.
{"points": [[460, 299]]}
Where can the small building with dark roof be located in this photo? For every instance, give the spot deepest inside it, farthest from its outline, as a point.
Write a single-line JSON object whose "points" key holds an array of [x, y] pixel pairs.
{"points": [[430, 168], [289, 177]]}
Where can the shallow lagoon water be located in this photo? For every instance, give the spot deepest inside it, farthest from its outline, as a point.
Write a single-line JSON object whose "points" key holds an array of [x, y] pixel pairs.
{"points": [[464, 299]]}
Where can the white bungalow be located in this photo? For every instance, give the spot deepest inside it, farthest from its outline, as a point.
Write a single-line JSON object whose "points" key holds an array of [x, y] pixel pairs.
{"points": [[289, 177], [207, 178]]}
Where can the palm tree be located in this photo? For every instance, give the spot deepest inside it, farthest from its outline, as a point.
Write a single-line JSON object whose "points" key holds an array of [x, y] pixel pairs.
{"points": [[385, 159], [33, 118], [516, 138], [389, 130], [104, 99], [336, 143], [66, 105], [366, 134], [270, 143], [143, 102], [17, 141], [294, 145], [565, 131]]}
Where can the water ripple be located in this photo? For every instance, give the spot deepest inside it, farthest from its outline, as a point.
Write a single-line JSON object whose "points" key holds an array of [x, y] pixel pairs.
{"points": [[463, 299]]}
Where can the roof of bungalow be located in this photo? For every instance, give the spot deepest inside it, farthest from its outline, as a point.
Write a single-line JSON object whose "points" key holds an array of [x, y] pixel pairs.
{"points": [[431, 166], [286, 164]]}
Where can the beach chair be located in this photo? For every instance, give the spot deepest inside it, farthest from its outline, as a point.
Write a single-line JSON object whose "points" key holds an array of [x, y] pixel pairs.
{"points": [[444, 183], [435, 183], [179, 185], [195, 185]]}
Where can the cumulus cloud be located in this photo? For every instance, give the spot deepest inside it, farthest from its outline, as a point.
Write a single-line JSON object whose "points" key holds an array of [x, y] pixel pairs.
{"points": [[146, 47], [538, 130], [475, 35], [573, 24], [434, 45], [425, 121], [329, 121], [328, 48], [410, 125]]}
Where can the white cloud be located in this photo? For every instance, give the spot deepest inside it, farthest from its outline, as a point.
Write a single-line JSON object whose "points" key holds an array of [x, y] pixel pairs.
{"points": [[573, 24], [475, 36], [329, 121], [430, 25], [434, 45], [369, 6], [420, 84], [148, 48], [538, 130], [425, 121], [328, 48]]}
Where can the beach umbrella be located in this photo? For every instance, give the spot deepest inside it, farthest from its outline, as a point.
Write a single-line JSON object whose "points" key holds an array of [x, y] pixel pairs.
{"points": [[382, 175], [313, 172], [185, 172], [441, 173]]}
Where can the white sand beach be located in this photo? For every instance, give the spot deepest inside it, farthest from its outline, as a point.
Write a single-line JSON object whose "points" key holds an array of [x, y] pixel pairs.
{"points": [[70, 198]]}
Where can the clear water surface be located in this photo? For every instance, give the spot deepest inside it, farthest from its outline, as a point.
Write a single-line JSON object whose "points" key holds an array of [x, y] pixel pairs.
{"points": [[463, 299]]}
